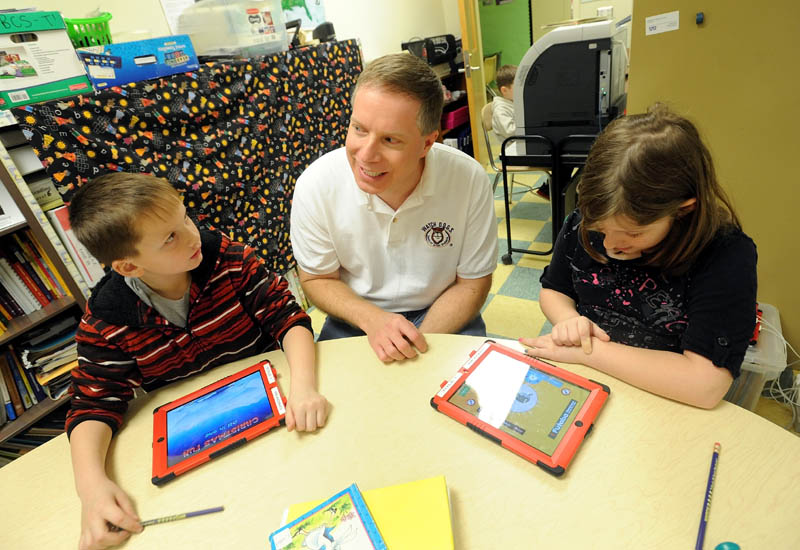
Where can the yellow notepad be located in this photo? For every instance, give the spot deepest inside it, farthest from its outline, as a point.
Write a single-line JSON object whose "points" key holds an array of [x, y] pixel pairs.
{"points": [[409, 516]]}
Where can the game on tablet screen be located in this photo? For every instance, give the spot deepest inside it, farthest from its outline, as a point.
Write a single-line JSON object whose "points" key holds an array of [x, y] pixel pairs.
{"points": [[215, 417], [524, 402]]}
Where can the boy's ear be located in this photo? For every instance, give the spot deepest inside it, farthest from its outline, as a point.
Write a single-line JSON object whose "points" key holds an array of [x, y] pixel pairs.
{"points": [[126, 268]]}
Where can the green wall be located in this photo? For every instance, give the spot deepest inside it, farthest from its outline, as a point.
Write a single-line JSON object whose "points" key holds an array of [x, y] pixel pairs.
{"points": [[506, 29]]}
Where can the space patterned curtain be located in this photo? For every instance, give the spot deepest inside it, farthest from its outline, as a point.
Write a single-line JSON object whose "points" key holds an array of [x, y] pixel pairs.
{"points": [[233, 136]]}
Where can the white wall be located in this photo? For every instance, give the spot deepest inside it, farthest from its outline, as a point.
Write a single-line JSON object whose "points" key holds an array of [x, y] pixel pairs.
{"points": [[380, 24]]}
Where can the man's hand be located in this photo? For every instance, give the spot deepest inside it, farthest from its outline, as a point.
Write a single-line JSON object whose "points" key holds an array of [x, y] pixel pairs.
{"points": [[394, 338], [578, 331], [306, 409], [107, 516]]}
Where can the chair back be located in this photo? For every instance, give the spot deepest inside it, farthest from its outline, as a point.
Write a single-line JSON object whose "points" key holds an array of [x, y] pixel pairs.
{"points": [[490, 73], [486, 124]]}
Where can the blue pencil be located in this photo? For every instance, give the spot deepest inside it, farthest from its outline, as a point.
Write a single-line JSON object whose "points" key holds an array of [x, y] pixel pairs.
{"points": [[182, 516], [712, 474]]}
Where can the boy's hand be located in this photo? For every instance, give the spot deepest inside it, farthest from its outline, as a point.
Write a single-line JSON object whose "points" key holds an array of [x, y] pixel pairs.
{"points": [[103, 508], [578, 331], [306, 409]]}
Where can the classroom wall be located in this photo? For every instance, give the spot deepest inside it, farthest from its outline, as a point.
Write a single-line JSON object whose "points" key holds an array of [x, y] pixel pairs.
{"points": [[735, 77], [505, 29], [544, 12]]}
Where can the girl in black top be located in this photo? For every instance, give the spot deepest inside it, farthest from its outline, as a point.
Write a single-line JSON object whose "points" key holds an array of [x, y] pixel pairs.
{"points": [[652, 279]]}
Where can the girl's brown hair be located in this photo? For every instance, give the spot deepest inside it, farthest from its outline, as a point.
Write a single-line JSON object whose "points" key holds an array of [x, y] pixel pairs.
{"points": [[644, 167]]}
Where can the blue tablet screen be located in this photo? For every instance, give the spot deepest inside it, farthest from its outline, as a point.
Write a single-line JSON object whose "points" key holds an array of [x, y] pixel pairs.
{"points": [[216, 416]]}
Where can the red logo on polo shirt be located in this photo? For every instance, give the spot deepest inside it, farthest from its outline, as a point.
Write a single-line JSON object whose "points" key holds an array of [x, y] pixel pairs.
{"points": [[437, 234]]}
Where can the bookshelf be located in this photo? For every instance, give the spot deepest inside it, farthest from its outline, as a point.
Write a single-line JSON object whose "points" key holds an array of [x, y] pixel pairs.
{"points": [[14, 181]]}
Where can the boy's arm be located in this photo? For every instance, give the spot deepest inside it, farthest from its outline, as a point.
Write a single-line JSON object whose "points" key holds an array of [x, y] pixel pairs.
{"points": [[306, 409], [103, 503], [687, 377]]}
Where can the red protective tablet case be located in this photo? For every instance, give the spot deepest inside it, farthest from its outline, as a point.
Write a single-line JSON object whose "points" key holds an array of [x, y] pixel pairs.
{"points": [[162, 472], [578, 429]]}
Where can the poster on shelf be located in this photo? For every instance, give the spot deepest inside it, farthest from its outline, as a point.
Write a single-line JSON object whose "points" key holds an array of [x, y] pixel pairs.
{"points": [[10, 214]]}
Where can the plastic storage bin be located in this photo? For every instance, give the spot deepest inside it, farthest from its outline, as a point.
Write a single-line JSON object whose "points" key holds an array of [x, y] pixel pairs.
{"points": [[91, 31], [763, 362], [244, 28]]}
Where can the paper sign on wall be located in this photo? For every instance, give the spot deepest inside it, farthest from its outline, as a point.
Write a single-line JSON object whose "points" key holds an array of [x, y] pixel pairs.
{"points": [[664, 22]]}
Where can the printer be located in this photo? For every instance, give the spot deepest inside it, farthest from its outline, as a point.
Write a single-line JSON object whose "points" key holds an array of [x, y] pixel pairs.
{"points": [[570, 81]]}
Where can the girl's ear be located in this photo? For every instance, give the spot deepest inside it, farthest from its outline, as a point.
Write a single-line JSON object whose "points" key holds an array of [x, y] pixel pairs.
{"points": [[687, 206]]}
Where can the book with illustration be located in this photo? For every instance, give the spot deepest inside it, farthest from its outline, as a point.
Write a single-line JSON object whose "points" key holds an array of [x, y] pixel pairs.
{"points": [[342, 522]]}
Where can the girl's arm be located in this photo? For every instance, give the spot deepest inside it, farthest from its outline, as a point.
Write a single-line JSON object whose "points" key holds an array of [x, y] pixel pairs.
{"points": [[569, 327], [686, 377]]}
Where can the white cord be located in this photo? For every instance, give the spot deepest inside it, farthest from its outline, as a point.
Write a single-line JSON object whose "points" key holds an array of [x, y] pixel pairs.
{"points": [[789, 397], [779, 335]]}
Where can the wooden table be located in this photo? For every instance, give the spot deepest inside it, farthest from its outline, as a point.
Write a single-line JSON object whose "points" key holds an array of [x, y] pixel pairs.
{"points": [[638, 482]]}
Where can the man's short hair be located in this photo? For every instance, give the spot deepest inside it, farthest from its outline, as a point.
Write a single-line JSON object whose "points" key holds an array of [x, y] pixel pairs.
{"points": [[106, 212], [505, 75], [409, 75]]}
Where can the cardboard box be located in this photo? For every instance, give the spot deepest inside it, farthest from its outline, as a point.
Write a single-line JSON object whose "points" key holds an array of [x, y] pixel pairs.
{"points": [[37, 60], [118, 64]]}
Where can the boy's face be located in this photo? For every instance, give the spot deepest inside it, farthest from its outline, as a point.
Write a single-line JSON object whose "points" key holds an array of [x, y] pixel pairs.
{"points": [[385, 147], [168, 247]]}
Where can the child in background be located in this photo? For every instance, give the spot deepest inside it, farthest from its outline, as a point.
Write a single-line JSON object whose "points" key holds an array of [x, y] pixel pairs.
{"points": [[652, 279], [503, 123], [178, 301]]}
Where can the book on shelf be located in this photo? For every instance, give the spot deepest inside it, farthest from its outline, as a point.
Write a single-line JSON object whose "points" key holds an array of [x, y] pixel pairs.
{"points": [[44, 222], [24, 272], [32, 256], [45, 193], [8, 407], [17, 288], [8, 302], [410, 515], [88, 265], [11, 386]]}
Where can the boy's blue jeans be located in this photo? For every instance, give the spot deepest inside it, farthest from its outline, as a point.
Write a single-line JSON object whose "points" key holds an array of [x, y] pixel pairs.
{"points": [[336, 328]]}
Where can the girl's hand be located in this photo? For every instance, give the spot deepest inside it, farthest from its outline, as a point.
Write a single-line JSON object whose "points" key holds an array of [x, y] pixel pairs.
{"points": [[578, 331], [544, 347]]}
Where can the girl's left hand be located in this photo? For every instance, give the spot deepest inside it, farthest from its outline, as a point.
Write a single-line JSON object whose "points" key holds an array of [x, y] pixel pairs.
{"points": [[545, 348]]}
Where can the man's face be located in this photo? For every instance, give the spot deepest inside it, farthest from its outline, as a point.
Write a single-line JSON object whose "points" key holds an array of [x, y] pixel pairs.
{"points": [[385, 147]]}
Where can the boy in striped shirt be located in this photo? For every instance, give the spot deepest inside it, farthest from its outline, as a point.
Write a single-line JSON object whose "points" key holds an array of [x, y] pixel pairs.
{"points": [[178, 301]]}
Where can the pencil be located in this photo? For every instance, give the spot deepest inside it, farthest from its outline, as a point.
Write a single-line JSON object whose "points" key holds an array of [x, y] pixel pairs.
{"points": [[712, 474], [176, 517]]}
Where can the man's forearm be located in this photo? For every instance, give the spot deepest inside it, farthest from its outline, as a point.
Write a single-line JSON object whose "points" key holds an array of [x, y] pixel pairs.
{"points": [[456, 306], [335, 298]]}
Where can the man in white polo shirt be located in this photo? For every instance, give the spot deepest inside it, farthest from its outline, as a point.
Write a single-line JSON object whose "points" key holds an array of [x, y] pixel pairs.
{"points": [[395, 235]]}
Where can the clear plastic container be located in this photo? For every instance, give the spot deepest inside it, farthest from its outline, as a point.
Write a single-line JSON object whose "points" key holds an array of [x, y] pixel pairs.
{"points": [[245, 28]]}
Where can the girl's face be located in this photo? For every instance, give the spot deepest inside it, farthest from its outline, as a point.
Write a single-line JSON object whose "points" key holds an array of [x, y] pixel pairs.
{"points": [[625, 240]]}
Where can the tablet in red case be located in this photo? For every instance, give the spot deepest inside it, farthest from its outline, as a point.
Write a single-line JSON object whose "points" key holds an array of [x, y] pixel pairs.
{"points": [[537, 410], [213, 420]]}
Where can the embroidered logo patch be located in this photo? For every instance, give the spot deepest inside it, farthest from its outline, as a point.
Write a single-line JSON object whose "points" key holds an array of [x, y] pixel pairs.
{"points": [[438, 234]]}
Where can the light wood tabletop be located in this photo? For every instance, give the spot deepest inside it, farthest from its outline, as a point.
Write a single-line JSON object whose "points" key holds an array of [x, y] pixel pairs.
{"points": [[637, 482]]}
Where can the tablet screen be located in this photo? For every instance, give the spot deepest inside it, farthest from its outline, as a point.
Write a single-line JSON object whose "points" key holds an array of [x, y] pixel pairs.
{"points": [[522, 401], [216, 416]]}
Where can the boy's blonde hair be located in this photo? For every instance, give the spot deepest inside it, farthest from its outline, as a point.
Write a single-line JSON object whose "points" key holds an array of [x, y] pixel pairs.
{"points": [[505, 76], [406, 74], [644, 167], [106, 212]]}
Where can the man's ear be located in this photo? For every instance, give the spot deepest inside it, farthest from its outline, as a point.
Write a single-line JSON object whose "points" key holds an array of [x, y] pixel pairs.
{"points": [[127, 268], [430, 139]]}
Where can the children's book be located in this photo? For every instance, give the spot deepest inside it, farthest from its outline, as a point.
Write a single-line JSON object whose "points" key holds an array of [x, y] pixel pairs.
{"points": [[410, 516], [343, 522]]}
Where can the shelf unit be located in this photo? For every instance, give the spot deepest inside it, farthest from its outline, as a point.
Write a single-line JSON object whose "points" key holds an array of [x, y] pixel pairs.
{"points": [[37, 222]]}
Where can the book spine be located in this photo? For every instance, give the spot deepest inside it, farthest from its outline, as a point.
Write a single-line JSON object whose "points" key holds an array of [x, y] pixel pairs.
{"points": [[13, 392], [43, 220], [90, 268], [8, 301], [11, 414], [39, 259], [4, 310], [17, 288], [38, 267], [14, 364], [48, 262], [37, 293], [27, 403]]}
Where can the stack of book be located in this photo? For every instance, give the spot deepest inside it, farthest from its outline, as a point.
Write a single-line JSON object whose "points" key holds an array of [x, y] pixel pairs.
{"points": [[409, 516], [49, 427], [28, 279], [50, 353]]}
